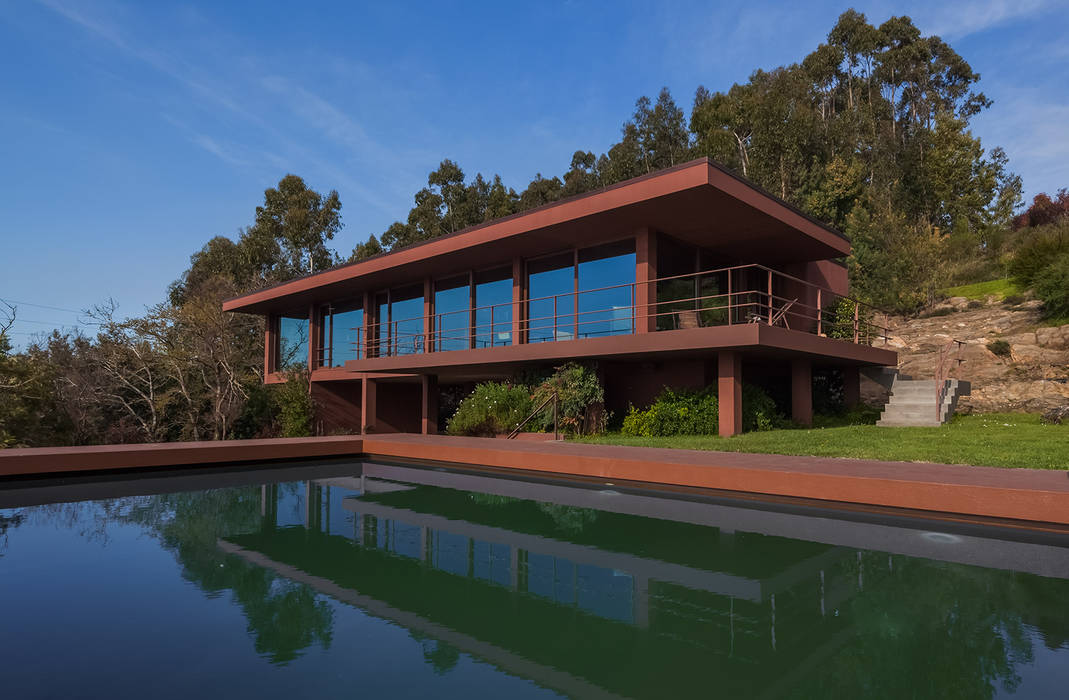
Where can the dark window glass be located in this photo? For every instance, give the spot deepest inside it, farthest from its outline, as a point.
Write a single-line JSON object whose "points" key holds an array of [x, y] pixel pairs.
{"points": [[551, 291], [493, 302], [452, 313], [292, 350], [606, 289]]}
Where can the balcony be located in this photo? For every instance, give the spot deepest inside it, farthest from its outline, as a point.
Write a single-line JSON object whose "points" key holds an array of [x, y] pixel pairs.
{"points": [[745, 305]]}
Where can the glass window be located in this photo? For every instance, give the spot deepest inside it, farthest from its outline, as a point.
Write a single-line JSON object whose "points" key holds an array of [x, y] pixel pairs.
{"points": [[292, 350], [406, 320], [606, 289], [452, 313], [343, 334], [551, 291], [493, 304]]}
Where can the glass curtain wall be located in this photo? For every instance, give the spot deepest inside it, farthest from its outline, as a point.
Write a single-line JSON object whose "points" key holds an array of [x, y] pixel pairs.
{"points": [[342, 336], [452, 313], [493, 312], [292, 347], [551, 294], [606, 290], [406, 321]]}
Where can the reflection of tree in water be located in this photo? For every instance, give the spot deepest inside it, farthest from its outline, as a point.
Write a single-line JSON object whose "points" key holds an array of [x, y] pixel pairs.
{"points": [[283, 617], [964, 630], [442, 656], [9, 522]]}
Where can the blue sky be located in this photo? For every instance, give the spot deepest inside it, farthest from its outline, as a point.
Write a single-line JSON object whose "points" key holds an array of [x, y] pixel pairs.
{"points": [[133, 132]]}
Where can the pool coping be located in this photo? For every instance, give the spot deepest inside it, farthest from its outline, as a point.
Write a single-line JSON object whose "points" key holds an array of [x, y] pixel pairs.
{"points": [[1033, 496]]}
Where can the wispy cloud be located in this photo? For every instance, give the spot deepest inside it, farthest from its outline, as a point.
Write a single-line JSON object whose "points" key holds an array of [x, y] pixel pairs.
{"points": [[954, 20]]}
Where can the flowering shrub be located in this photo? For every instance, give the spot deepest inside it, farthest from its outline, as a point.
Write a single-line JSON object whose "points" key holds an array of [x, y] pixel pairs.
{"points": [[581, 399], [493, 408]]}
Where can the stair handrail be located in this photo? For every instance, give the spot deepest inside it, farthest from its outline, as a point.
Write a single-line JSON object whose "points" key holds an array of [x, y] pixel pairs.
{"points": [[942, 372], [556, 431]]}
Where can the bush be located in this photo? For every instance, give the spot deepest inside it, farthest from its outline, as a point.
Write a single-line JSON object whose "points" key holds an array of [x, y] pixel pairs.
{"points": [[999, 347], [941, 311], [493, 408], [1052, 286], [1036, 251], [675, 413], [683, 412], [975, 304], [295, 406], [1013, 299], [581, 407]]}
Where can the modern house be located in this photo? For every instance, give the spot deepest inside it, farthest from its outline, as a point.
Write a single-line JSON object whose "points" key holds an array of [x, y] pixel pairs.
{"points": [[680, 278]]}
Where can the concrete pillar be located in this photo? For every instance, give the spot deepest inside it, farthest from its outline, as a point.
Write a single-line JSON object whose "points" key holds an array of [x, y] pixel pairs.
{"points": [[313, 337], [270, 332], [429, 418], [517, 301], [729, 392], [368, 405], [645, 290], [851, 386], [802, 391]]}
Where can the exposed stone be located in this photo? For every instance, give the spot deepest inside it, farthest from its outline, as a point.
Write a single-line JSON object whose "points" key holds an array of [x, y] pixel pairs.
{"points": [[1035, 377], [1056, 415]]}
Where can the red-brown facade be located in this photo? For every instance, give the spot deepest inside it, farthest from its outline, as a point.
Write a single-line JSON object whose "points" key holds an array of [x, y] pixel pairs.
{"points": [[681, 278]]}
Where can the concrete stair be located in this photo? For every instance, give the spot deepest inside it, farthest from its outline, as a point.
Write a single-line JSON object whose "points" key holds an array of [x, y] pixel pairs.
{"points": [[913, 402]]}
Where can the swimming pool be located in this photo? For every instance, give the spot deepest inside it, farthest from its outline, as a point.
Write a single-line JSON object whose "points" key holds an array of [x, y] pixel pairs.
{"points": [[379, 580]]}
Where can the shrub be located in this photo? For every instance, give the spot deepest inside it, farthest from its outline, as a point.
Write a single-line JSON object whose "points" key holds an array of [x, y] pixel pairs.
{"points": [[941, 311], [1013, 299], [295, 406], [493, 408], [1036, 251], [683, 412], [1052, 286], [975, 304], [675, 413], [999, 347], [581, 407]]}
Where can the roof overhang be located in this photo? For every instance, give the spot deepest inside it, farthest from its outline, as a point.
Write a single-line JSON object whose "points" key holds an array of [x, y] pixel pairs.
{"points": [[698, 202]]}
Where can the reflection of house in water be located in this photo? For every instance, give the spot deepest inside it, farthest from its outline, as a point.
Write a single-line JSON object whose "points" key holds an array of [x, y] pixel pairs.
{"points": [[578, 600]]}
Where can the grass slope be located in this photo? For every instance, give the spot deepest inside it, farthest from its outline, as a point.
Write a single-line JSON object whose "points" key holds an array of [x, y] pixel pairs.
{"points": [[995, 440], [1001, 288]]}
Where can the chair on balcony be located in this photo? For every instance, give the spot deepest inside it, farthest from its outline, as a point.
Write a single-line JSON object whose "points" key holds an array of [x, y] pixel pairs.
{"points": [[777, 317], [687, 319]]}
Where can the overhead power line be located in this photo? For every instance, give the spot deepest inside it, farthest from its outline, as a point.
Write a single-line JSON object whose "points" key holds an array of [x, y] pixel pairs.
{"points": [[39, 306]]}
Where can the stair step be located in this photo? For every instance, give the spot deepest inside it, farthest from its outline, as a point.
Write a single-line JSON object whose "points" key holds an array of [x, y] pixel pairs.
{"points": [[908, 423]]}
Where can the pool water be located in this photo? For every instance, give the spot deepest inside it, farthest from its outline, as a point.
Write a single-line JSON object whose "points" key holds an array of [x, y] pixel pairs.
{"points": [[373, 580]]}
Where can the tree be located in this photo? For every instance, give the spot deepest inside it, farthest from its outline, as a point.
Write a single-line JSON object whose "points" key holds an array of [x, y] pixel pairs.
{"points": [[299, 221]]}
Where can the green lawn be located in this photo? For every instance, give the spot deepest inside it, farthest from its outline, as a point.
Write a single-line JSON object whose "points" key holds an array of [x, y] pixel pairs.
{"points": [[1002, 288], [997, 440]]}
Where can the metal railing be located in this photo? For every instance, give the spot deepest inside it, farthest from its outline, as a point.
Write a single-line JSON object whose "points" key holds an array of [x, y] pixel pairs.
{"points": [[556, 425], [725, 296]]}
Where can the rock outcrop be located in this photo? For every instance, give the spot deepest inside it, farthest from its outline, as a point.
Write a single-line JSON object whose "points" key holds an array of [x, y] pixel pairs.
{"points": [[1033, 376]]}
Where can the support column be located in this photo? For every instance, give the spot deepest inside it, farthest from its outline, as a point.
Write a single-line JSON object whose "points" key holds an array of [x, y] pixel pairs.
{"points": [[851, 386], [428, 315], [368, 405], [729, 392], [802, 391], [517, 301], [645, 296], [270, 331], [429, 419]]}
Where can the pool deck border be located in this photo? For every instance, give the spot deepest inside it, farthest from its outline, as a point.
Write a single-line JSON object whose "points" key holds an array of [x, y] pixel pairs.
{"points": [[1023, 495]]}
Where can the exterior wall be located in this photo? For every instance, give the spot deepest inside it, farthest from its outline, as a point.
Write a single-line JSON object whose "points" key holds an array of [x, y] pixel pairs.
{"points": [[639, 383], [399, 407], [337, 407]]}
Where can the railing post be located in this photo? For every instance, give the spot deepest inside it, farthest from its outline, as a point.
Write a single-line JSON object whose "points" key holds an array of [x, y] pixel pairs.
{"points": [[731, 307], [770, 297], [857, 308], [555, 317], [820, 313]]}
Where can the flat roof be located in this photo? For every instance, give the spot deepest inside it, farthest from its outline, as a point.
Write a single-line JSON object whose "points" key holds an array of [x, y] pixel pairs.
{"points": [[699, 202]]}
